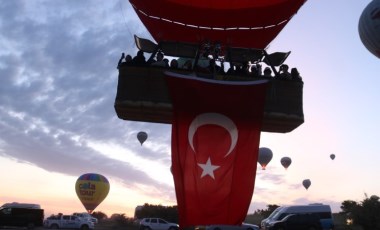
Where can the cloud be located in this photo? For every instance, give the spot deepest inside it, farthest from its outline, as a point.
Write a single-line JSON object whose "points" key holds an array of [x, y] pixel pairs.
{"points": [[270, 177], [58, 85]]}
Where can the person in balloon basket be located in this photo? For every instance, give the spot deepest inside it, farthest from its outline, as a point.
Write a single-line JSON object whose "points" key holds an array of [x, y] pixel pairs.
{"points": [[254, 71], [160, 61], [214, 68], [174, 64], [127, 60], [295, 74], [267, 72], [188, 65], [139, 59], [284, 72], [243, 69]]}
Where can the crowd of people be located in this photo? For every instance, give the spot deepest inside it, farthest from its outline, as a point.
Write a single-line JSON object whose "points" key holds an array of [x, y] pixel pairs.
{"points": [[241, 69]]}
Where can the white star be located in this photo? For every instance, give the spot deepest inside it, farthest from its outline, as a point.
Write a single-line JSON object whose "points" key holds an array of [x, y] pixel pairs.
{"points": [[208, 169]]}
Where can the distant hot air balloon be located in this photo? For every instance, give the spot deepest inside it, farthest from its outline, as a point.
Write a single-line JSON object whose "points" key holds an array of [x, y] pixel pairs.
{"points": [[286, 161], [142, 136], [306, 183], [332, 156], [265, 156], [369, 27], [92, 189]]}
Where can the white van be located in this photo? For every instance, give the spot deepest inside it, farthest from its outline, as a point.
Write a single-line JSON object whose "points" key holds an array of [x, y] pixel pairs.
{"points": [[86, 216], [323, 211]]}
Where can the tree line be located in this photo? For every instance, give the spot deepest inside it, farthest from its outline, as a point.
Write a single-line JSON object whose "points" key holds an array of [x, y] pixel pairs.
{"points": [[169, 213], [365, 213]]}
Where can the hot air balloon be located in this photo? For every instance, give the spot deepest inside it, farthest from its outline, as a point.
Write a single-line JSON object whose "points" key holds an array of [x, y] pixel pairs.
{"points": [[286, 161], [92, 189], [142, 136], [306, 183], [222, 29], [369, 24], [265, 156], [332, 156], [216, 20]]}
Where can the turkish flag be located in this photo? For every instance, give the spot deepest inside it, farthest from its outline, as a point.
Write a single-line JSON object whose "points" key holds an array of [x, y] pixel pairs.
{"points": [[215, 141]]}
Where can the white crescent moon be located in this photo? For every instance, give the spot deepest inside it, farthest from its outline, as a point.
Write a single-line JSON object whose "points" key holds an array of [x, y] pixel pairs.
{"points": [[214, 119]]}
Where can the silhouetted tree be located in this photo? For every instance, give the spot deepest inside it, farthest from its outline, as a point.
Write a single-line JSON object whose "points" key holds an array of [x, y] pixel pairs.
{"points": [[348, 206], [99, 215], [266, 212], [169, 213], [366, 213], [121, 219]]}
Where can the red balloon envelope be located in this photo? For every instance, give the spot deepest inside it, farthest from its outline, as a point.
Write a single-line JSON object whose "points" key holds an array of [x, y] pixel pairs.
{"points": [[244, 23]]}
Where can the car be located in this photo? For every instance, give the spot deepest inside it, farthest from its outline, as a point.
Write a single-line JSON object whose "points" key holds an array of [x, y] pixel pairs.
{"points": [[248, 226], [87, 216], [244, 226], [304, 221], [68, 221], [157, 224]]}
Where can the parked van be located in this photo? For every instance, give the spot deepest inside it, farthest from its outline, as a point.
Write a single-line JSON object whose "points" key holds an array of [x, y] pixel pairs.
{"points": [[21, 215], [323, 211], [301, 221]]}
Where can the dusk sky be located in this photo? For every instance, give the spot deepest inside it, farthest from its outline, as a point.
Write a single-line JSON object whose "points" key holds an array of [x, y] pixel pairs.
{"points": [[58, 82]]}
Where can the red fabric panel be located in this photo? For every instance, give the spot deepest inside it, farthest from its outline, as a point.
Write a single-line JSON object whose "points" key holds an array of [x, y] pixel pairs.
{"points": [[215, 123], [216, 14], [258, 39], [227, 4]]}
